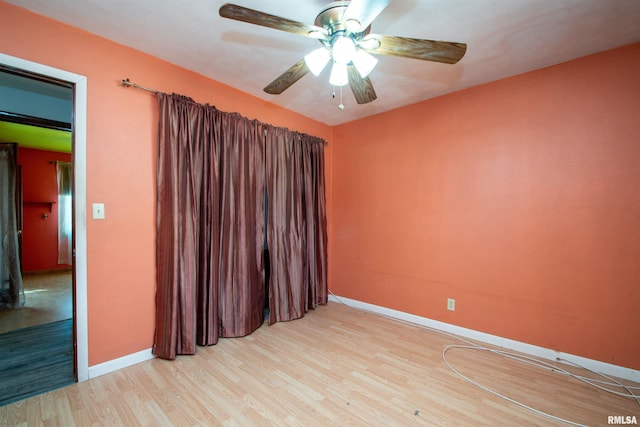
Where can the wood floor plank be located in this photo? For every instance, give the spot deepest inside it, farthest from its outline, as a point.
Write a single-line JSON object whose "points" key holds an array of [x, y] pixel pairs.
{"points": [[35, 359], [336, 366]]}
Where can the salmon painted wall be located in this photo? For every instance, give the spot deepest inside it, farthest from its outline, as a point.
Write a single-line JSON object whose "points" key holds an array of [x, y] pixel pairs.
{"points": [[519, 198], [39, 188], [121, 155]]}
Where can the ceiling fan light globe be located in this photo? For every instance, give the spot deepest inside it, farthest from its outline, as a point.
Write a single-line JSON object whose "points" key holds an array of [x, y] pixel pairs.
{"points": [[317, 60], [364, 62], [339, 75], [342, 49]]}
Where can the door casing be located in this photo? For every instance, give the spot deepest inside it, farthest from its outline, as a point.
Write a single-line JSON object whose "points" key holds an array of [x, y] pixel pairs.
{"points": [[79, 156]]}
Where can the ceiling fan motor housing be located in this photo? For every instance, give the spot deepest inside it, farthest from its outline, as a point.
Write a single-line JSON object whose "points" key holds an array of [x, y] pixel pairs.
{"points": [[330, 18]]}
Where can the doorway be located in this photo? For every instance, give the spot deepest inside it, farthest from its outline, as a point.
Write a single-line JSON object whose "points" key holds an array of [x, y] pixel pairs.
{"points": [[36, 329], [78, 86]]}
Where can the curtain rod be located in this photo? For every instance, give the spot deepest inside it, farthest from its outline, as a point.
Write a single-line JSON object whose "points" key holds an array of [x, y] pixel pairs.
{"points": [[127, 83]]}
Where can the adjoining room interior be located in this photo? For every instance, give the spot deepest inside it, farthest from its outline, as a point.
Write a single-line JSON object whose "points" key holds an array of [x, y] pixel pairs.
{"points": [[478, 218], [49, 299], [47, 284], [35, 119]]}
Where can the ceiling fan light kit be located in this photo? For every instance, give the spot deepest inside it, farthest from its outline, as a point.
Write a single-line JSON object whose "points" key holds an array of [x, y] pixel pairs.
{"points": [[364, 62], [343, 28], [317, 60], [339, 75], [342, 48]]}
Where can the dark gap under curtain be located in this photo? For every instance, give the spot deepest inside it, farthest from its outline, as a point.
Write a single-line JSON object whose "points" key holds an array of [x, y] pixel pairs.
{"points": [[215, 171]]}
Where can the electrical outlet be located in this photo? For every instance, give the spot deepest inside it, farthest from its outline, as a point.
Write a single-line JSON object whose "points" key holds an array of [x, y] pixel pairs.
{"points": [[451, 304]]}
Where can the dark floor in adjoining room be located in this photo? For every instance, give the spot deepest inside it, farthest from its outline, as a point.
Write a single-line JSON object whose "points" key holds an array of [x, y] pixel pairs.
{"points": [[36, 359]]}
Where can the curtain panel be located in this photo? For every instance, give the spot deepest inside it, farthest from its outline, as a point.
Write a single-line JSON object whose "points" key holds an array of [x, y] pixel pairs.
{"points": [[296, 225], [11, 286], [215, 173], [65, 212]]}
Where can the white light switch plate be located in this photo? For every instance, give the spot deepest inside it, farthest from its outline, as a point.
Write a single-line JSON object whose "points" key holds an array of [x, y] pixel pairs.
{"points": [[98, 210]]}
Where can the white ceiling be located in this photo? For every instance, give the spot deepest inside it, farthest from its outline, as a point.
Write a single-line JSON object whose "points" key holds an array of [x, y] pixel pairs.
{"points": [[504, 38]]}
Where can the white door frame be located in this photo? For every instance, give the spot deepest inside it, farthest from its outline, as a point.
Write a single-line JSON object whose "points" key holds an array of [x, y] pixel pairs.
{"points": [[79, 197]]}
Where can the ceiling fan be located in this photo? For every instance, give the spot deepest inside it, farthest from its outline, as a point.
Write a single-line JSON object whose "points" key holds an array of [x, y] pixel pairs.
{"points": [[343, 28]]}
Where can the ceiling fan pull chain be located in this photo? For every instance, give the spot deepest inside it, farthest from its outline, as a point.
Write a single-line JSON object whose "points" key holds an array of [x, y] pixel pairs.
{"points": [[341, 105]]}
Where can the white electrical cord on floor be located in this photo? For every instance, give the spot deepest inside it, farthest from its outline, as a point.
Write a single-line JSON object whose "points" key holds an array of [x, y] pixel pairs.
{"points": [[612, 382], [524, 359], [495, 393]]}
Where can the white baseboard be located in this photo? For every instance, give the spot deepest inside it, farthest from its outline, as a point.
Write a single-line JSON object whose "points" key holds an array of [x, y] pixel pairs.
{"points": [[119, 363], [533, 350]]}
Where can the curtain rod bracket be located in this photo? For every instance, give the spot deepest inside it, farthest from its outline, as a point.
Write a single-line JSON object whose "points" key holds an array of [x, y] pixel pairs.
{"points": [[127, 83]]}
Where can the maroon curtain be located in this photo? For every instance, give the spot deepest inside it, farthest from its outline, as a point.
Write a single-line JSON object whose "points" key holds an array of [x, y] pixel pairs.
{"points": [[209, 265], [241, 280], [211, 187], [176, 222], [296, 227], [314, 211]]}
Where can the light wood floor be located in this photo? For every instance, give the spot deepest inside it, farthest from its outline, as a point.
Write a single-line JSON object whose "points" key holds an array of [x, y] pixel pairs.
{"points": [[48, 298], [336, 366]]}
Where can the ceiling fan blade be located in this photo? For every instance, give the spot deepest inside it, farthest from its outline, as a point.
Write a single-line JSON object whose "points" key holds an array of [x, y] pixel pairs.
{"points": [[427, 50], [286, 79], [362, 88], [240, 13], [364, 11]]}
